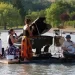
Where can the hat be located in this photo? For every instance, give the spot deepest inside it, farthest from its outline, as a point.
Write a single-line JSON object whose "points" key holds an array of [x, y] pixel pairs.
{"points": [[68, 36]]}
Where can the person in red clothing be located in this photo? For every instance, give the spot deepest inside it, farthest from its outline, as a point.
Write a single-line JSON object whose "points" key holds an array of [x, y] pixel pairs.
{"points": [[26, 48]]}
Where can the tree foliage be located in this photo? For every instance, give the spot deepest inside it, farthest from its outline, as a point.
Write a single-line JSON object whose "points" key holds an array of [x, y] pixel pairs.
{"points": [[64, 17], [34, 15], [25, 5], [9, 15], [55, 10], [72, 15], [55, 13]]}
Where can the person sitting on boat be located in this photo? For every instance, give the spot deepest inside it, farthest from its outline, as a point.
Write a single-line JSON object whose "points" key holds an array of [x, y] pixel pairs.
{"points": [[26, 48], [27, 27], [12, 38], [68, 47]]}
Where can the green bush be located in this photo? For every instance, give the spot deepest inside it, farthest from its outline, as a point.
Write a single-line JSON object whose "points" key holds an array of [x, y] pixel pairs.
{"points": [[9, 15]]}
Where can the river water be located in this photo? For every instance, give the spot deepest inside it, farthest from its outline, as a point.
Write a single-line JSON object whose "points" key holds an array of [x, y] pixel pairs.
{"points": [[35, 69]]}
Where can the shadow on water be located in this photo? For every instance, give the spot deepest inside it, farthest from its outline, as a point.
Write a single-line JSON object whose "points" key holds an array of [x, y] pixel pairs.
{"points": [[46, 63], [50, 69]]}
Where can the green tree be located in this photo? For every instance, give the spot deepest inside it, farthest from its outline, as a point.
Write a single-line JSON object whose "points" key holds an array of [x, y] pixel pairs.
{"points": [[9, 15], [33, 15], [53, 13], [72, 16], [25, 5]]}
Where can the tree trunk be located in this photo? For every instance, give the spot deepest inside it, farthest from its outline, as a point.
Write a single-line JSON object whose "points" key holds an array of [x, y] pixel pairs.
{"points": [[17, 26], [5, 26]]}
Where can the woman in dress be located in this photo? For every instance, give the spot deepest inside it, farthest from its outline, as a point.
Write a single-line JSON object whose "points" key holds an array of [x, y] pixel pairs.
{"points": [[26, 47], [27, 27]]}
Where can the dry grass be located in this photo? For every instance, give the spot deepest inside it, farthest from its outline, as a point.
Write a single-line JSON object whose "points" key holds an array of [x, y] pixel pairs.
{"points": [[70, 29]]}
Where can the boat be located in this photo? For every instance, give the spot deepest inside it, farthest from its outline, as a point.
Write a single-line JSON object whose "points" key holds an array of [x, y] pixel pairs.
{"points": [[5, 61], [44, 58], [37, 60], [38, 41], [52, 60]]}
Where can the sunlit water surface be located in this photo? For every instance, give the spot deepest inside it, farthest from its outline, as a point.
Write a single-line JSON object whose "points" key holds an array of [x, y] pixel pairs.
{"points": [[35, 69]]}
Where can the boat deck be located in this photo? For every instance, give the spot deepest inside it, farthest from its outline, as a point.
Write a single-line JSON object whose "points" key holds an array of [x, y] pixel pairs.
{"points": [[39, 60], [51, 60], [5, 61]]}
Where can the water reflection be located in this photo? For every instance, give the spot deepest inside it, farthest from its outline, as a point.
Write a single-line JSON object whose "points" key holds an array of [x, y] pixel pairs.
{"points": [[36, 69], [12, 70]]}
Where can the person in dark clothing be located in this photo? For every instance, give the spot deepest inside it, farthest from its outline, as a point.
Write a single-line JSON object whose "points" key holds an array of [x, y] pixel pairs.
{"points": [[12, 38]]}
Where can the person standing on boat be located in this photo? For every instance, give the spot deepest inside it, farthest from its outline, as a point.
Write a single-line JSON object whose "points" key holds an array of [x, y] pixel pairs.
{"points": [[68, 47], [27, 27], [26, 48]]}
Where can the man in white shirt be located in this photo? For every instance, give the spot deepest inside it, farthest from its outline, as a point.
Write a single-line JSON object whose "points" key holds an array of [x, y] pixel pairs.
{"points": [[68, 46]]}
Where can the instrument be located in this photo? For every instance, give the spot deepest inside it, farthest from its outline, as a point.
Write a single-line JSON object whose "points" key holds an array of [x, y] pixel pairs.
{"points": [[40, 41], [39, 26]]}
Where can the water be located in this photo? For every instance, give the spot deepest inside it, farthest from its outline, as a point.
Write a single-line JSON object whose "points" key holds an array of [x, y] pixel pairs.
{"points": [[35, 69]]}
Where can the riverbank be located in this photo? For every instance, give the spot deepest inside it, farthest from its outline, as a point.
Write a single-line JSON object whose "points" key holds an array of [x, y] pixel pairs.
{"points": [[51, 30], [64, 30], [19, 29]]}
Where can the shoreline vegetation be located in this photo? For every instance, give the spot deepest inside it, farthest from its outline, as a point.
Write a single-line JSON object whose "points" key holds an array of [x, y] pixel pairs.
{"points": [[57, 13], [51, 30]]}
